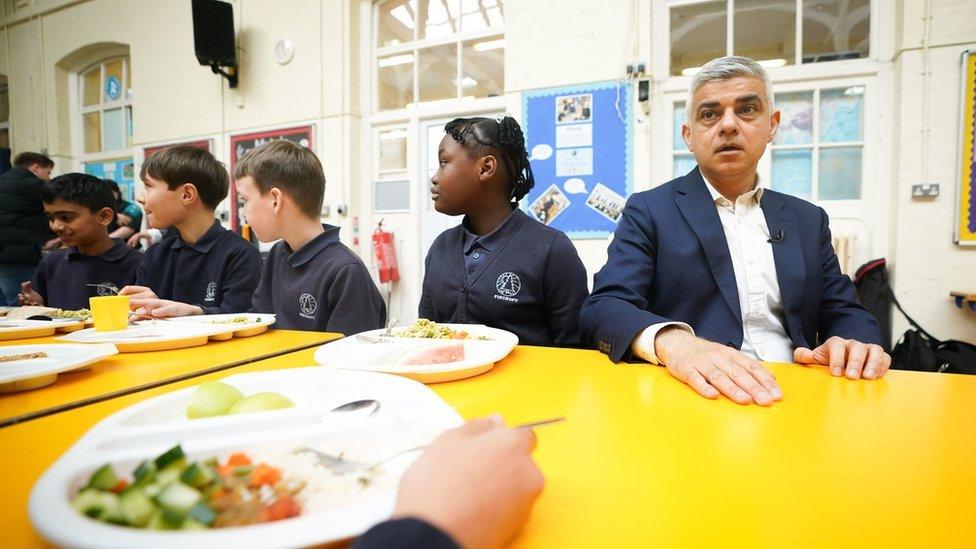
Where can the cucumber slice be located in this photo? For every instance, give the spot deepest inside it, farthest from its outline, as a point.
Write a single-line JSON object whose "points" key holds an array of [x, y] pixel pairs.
{"points": [[164, 519], [202, 513], [167, 476], [178, 497], [144, 473], [104, 478], [136, 507], [197, 475], [99, 505], [191, 524], [170, 457], [152, 489]]}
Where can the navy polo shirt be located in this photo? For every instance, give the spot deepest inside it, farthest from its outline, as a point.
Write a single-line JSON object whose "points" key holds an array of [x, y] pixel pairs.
{"points": [[323, 286], [218, 272], [527, 279], [63, 274]]}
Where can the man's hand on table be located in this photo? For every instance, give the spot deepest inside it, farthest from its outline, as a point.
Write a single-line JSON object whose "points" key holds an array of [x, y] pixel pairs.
{"points": [[847, 357], [712, 369]]}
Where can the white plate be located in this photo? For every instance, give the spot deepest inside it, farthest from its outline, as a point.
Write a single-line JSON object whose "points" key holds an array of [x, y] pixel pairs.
{"points": [[152, 335], [15, 375], [356, 353], [15, 328], [256, 322], [409, 415]]}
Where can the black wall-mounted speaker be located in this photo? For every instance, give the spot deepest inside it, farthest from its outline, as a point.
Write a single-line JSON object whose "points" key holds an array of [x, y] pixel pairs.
{"points": [[213, 33]]}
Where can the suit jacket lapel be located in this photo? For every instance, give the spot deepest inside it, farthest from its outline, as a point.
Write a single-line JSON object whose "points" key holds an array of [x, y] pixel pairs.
{"points": [[788, 257], [697, 207]]}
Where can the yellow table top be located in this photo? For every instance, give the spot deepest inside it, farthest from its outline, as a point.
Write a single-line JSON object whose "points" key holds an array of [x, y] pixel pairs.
{"points": [[133, 372], [643, 461]]}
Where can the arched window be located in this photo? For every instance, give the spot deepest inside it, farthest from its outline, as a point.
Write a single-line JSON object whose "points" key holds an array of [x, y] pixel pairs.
{"points": [[105, 122]]}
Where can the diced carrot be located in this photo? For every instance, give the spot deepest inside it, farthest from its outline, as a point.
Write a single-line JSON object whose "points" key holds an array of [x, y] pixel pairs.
{"points": [[238, 459], [264, 474], [281, 508], [226, 470], [122, 485]]}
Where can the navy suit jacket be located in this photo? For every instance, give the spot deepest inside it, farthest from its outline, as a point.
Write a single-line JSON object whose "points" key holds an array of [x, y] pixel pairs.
{"points": [[669, 261]]}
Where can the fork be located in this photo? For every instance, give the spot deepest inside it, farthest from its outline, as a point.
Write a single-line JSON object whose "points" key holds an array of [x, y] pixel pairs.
{"points": [[344, 466], [111, 287]]}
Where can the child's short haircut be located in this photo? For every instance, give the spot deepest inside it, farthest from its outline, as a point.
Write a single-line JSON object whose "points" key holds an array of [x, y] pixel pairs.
{"points": [[79, 188], [289, 167], [185, 164], [28, 159]]}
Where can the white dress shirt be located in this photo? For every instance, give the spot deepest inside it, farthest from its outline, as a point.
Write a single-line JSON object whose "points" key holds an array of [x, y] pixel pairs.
{"points": [[760, 302]]}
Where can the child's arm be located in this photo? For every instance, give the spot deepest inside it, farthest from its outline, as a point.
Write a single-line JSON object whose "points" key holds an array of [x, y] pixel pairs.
{"points": [[565, 290], [356, 304], [162, 308]]}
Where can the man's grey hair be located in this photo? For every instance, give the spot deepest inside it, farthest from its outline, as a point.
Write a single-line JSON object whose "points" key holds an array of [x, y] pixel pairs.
{"points": [[726, 68]]}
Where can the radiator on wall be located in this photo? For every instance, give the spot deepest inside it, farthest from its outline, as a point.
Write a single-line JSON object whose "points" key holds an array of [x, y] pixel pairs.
{"points": [[844, 248]]}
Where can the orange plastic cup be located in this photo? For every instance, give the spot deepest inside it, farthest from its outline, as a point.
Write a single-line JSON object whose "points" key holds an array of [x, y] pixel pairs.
{"points": [[110, 313]]}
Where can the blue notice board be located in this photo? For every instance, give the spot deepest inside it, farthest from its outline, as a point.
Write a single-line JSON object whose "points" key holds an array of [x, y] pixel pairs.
{"points": [[120, 171], [579, 142]]}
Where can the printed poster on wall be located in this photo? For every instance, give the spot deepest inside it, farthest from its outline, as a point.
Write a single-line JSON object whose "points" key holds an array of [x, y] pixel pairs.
{"points": [[120, 171], [965, 231], [579, 143], [240, 144]]}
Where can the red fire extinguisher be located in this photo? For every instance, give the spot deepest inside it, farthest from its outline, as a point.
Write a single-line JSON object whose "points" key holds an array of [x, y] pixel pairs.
{"points": [[386, 261]]}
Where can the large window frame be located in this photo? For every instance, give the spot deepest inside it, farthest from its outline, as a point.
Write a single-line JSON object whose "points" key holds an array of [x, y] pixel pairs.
{"points": [[413, 48], [124, 102]]}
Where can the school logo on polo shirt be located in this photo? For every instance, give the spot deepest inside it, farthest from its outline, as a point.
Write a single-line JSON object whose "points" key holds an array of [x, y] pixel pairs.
{"points": [[508, 285], [307, 305], [211, 291]]}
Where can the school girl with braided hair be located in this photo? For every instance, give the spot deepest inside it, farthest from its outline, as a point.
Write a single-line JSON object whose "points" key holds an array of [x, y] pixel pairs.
{"points": [[499, 267]]}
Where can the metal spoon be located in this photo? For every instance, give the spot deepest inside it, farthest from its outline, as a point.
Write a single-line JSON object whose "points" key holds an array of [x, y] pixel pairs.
{"points": [[356, 405]]}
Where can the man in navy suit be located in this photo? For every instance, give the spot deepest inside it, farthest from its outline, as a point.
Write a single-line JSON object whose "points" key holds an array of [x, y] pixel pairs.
{"points": [[710, 273]]}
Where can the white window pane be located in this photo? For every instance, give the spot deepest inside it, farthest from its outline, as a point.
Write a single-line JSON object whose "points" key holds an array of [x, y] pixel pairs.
{"points": [[793, 172], [395, 22], [683, 163], [698, 34], [840, 114], [796, 118], [391, 196], [395, 81], [835, 29], [92, 123], [840, 173], [483, 67], [680, 117], [393, 151], [478, 15], [438, 72], [765, 30], [128, 80], [439, 18], [114, 130]]}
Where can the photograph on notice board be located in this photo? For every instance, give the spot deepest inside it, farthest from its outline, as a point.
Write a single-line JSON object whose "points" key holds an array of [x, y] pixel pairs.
{"points": [[574, 108], [549, 205], [965, 229], [606, 202]]}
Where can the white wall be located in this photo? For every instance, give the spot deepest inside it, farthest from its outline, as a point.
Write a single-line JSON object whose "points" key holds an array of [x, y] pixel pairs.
{"points": [[925, 263]]}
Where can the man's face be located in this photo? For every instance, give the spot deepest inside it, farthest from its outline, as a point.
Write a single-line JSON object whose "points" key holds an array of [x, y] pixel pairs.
{"points": [[41, 172], [728, 127]]}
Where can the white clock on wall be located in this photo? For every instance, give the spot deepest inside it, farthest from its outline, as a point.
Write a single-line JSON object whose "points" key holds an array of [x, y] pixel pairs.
{"points": [[284, 51]]}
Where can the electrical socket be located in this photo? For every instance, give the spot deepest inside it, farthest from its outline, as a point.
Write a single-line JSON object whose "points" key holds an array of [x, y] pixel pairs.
{"points": [[925, 190]]}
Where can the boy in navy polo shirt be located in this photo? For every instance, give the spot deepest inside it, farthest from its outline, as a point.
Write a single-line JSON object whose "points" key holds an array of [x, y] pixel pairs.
{"points": [[499, 267], [206, 269], [310, 281], [79, 208]]}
